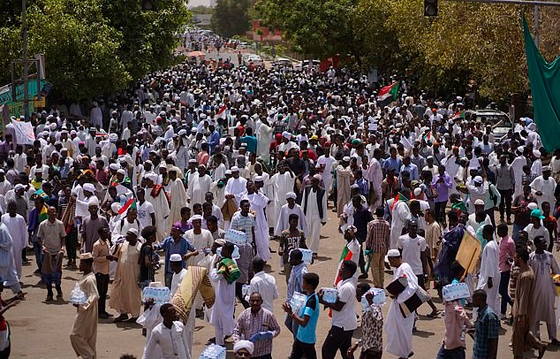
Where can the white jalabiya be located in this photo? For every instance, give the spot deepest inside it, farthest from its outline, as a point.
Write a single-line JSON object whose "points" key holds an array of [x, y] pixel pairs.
{"points": [[264, 136], [198, 187], [399, 216], [258, 203], [237, 187], [517, 166], [283, 183], [222, 311], [375, 177], [547, 188], [178, 198], [199, 241], [161, 211], [314, 219], [397, 327], [18, 231], [283, 221], [489, 269]]}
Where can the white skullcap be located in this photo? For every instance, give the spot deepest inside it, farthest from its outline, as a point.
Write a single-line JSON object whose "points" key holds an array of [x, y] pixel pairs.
{"points": [[291, 195], [532, 206], [235, 169], [478, 179], [89, 187], [121, 171], [479, 202], [346, 159], [393, 253], [244, 344], [175, 258], [258, 179], [18, 187], [152, 177], [182, 132], [417, 191], [287, 135], [73, 132], [192, 160], [228, 172], [116, 207], [196, 217], [93, 202], [132, 231], [114, 166], [537, 153]]}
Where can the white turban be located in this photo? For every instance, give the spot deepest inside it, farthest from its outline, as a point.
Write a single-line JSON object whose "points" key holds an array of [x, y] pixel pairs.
{"points": [[244, 344], [93, 202], [152, 177], [89, 187]]}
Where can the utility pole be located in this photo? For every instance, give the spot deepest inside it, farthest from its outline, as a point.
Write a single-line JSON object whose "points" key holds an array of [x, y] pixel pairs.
{"points": [[536, 21], [25, 64]]}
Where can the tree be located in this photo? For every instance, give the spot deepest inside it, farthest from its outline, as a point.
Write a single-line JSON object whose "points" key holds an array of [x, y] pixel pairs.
{"points": [[93, 47], [231, 17], [316, 28]]}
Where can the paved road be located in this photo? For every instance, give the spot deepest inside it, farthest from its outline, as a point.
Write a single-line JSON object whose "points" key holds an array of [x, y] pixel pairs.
{"points": [[40, 330]]}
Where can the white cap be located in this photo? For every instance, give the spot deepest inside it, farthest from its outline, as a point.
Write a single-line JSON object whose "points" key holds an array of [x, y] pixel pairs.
{"points": [[532, 206], [235, 169], [244, 344], [479, 202], [175, 258], [291, 195], [478, 179], [196, 217], [89, 187], [417, 191], [258, 179], [93, 202], [152, 177], [132, 231], [393, 253], [114, 166], [346, 158], [537, 153], [121, 171], [18, 187], [116, 207]]}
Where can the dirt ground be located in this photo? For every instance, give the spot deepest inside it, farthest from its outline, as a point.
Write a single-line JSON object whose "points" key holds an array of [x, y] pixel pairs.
{"points": [[41, 331]]}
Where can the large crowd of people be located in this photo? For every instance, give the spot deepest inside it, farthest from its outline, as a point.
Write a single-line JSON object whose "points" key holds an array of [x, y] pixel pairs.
{"points": [[152, 181]]}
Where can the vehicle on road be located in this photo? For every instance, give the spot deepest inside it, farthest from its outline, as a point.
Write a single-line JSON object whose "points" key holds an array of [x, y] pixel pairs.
{"points": [[500, 121], [253, 58], [282, 62], [308, 64]]}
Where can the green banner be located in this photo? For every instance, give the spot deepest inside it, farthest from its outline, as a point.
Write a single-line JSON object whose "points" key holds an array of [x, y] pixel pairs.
{"points": [[6, 92]]}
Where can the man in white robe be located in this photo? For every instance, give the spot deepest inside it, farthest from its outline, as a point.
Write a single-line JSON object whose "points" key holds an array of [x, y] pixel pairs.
{"points": [[397, 326], [314, 204], [264, 137], [325, 162], [236, 186], [177, 195], [258, 203], [374, 176], [283, 182], [291, 208], [201, 183], [517, 166], [18, 231], [489, 278], [543, 187], [399, 216], [224, 307], [161, 206]]}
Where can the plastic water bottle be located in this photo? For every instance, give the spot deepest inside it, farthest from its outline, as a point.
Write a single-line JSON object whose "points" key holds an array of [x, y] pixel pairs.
{"points": [[365, 304], [330, 295], [77, 296], [307, 255], [297, 302], [463, 332], [213, 351]]}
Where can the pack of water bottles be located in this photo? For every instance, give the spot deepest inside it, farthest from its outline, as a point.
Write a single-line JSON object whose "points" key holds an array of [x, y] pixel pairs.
{"points": [[455, 291], [307, 255], [77, 296], [234, 255], [330, 295], [237, 237], [379, 298], [213, 351], [159, 295], [297, 302]]}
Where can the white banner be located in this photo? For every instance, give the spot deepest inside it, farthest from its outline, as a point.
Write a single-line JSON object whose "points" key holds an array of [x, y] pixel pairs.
{"points": [[24, 132]]}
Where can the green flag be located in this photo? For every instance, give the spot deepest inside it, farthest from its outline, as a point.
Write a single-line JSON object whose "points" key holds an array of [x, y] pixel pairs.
{"points": [[544, 78]]}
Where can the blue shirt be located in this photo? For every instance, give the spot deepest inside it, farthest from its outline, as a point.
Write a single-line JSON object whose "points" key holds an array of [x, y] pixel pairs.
{"points": [[392, 164], [251, 142], [307, 334], [170, 247], [214, 140]]}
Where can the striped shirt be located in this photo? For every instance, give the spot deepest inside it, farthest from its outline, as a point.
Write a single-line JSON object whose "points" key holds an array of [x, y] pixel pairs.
{"points": [[249, 323], [243, 223], [378, 235]]}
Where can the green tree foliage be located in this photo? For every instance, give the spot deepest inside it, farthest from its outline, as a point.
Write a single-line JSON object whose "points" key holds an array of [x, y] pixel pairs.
{"points": [[231, 17], [317, 28], [93, 47]]}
